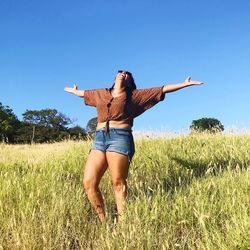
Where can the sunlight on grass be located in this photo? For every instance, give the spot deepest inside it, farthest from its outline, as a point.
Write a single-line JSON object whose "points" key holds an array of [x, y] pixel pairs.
{"points": [[187, 192]]}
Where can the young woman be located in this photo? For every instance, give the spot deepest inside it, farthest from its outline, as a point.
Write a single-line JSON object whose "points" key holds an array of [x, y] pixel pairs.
{"points": [[113, 146]]}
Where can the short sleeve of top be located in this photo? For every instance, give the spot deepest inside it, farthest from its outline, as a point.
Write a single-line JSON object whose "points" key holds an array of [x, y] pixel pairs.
{"points": [[90, 97], [143, 99]]}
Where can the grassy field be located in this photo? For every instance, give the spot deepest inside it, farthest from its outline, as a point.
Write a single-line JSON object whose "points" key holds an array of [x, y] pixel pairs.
{"points": [[188, 192]]}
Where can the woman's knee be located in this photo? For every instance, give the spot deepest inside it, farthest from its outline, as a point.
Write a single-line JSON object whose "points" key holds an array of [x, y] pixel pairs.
{"points": [[119, 185], [90, 185]]}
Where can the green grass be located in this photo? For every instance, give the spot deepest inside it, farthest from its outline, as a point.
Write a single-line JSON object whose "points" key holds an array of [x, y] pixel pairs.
{"points": [[189, 192]]}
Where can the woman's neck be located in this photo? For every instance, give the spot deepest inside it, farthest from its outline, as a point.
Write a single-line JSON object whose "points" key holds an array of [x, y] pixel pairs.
{"points": [[118, 88]]}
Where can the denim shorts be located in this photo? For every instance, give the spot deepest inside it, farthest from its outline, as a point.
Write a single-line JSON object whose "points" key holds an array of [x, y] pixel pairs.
{"points": [[118, 140]]}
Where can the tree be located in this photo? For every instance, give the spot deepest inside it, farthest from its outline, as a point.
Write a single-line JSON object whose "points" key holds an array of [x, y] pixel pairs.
{"points": [[44, 125], [8, 124], [77, 133], [46, 117], [91, 125], [29, 133], [211, 125]]}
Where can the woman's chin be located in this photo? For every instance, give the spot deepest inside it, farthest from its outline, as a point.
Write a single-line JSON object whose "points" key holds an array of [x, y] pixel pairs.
{"points": [[120, 81]]}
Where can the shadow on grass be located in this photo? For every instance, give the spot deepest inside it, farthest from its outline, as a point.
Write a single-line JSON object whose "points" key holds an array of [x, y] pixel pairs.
{"points": [[183, 174], [201, 169]]}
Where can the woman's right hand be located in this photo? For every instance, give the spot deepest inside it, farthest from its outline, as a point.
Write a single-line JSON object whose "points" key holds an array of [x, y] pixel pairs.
{"points": [[71, 90]]}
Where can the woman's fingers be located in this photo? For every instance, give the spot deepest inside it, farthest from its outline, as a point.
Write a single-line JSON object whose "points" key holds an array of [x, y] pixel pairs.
{"points": [[70, 89], [67, 89], [190, 81], [198, 82]]}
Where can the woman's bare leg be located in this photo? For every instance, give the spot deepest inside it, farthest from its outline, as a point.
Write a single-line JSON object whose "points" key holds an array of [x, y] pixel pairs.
{"points": [[118, 165], [96, 166]]}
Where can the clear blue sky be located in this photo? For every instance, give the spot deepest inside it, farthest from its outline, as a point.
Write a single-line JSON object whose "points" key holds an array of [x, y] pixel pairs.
{"points": [[47, 45]]}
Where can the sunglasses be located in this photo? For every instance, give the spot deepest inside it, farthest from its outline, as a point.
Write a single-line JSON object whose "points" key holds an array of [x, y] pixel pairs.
{"points": [[123, 71]]}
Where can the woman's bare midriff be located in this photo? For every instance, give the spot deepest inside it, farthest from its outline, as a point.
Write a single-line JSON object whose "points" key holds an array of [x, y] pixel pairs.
{"points": [[113, 124]]}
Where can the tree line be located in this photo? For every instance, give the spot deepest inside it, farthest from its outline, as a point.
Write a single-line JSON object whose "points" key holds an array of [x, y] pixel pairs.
{"points": [[50, 125], [45, 125]]}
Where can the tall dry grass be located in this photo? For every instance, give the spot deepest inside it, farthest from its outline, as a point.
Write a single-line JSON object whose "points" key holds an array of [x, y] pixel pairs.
{"points": [[188, 192]]}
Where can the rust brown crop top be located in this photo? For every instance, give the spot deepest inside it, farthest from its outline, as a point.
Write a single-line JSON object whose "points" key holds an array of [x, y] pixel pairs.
{"points": [[114, 108]]}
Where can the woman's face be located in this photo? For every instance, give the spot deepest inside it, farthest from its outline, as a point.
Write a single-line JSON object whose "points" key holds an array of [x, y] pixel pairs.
{"points": [[123, 77]]}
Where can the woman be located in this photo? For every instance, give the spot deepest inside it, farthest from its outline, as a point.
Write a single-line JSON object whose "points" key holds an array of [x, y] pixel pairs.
{"points": [[113, 146]]}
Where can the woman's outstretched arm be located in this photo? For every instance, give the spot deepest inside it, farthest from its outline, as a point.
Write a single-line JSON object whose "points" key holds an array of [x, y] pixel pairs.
{"points": [[174, 87], [75, 91]]}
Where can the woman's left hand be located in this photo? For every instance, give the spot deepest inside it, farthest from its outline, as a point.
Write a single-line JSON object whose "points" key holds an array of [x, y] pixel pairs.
{"points": [[188, 81]]}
